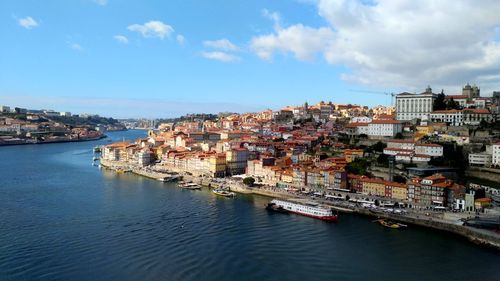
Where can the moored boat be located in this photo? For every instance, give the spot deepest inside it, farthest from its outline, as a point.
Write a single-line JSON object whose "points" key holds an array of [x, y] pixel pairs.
{"points": [[223, 192], [276, 208], [309, 209], [391, 224], [190, 185]]}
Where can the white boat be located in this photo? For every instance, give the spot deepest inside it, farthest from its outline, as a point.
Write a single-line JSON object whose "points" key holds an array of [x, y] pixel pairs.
{"points": [[190, 185], [309, 209], [223, 192]]}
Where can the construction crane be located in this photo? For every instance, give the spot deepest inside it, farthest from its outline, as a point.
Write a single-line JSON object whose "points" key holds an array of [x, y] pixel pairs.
{"points": [[377, 93]]}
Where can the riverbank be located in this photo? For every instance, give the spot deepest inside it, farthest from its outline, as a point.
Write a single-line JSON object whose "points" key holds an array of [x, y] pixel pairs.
{"points": [[30, 141], [413, 217]]}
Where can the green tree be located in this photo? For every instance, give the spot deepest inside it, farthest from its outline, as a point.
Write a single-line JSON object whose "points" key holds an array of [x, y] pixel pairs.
{"points": [[248, 181], [383, 159], [399, 179], [399, 136], [379, 146], [452, 104], [358, 167], [439, 103]]}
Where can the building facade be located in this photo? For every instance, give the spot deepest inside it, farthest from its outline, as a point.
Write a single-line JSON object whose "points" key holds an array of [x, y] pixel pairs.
{"points": [[414, 106]]}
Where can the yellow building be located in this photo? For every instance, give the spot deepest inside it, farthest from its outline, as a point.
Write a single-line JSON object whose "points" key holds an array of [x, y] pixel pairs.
{"points": [[217, 166], [398, 191], [374, 187], [351, 154]]}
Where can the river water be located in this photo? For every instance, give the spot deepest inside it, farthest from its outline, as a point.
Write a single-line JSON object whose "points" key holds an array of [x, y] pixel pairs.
{"points": [[63, 219]]}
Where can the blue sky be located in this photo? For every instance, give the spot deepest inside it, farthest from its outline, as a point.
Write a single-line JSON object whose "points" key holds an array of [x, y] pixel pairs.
{"points": [[154, 58]]}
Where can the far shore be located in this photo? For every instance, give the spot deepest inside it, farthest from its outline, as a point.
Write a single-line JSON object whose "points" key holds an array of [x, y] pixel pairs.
{"points": [[54, 141]]}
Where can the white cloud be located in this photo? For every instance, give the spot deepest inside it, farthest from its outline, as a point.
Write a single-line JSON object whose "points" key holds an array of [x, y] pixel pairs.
{"points": [[221, 44], [404, 43], [75, 46], [274, 16], [152, 29], [220, 56], [121, 39], [180, 39], [28, 22], [304, 42], [101, 2]]}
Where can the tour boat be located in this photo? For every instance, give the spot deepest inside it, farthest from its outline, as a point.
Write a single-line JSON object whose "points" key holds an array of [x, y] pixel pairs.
{"points": [[309, 209], [276, 208], [223, 192]]}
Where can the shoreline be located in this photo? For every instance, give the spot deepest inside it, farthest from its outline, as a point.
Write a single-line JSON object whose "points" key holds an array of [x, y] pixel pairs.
{"points": [[477, 236], [55, 141]]}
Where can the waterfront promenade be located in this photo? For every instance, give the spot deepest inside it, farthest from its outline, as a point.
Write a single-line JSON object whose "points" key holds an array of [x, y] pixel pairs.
{"points": [[444, 221]]}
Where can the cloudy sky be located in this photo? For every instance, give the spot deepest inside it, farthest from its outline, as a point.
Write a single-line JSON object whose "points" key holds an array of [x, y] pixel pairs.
{"points": [[156, 58]]}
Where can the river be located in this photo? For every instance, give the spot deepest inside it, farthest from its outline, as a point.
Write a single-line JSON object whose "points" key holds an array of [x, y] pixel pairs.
{"points": [[63, 219]]}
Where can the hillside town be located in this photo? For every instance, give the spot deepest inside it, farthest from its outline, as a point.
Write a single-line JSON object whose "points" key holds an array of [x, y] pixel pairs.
{"points": [[429, 151], [26, 126]]}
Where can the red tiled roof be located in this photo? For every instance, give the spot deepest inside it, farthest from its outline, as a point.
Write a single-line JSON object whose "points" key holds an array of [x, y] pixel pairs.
{"points": [[478, 110], [401, 141], [447, 111], [429, 145], [385, 122], [456, 97]]}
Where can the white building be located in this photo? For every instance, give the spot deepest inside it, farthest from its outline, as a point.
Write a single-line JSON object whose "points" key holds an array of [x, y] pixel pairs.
{"points": [[144, 157], [384, 128], [480, 159], [361, 119], [453, 117], [65, 113], [415, 158], [495, 159], [430, 149], [5, 109], [401, 144], [414, 106], [474, 116], [357, 129]]}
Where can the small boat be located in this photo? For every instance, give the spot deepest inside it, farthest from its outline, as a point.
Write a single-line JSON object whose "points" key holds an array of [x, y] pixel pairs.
{"points": [[97, 149], [223, 192], [95, 158], [276, 208], [190, 186], [391, 224]]}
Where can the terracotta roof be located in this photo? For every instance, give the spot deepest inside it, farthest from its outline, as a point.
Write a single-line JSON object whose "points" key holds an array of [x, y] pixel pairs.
{"points": [[478, 110], [429, 145], [385, 121], [401, 141], [456, 97], [447, 111], [356, 124]]}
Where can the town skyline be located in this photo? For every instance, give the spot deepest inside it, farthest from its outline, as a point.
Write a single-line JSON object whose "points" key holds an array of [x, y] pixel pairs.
{"points": [[241, 58]]}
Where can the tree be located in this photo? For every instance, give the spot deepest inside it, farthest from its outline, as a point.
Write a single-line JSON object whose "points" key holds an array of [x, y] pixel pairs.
{"points": [[452, 104], [483, 124], [358, 167], [399, 136], [439, 103], [399, 179], [383, 159], [248, 181], [379, 146]]}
